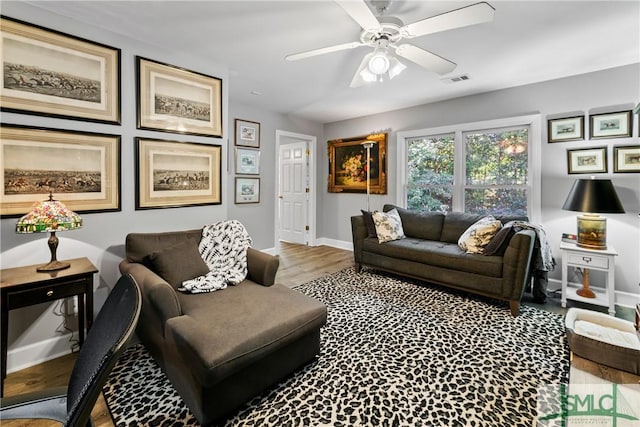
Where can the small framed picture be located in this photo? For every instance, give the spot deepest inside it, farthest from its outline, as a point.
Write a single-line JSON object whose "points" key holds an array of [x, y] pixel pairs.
{"points": [[626, 159], [247, 161], [247, 133], [587, 160], [247, 190], [566, 129], [610, 125]]}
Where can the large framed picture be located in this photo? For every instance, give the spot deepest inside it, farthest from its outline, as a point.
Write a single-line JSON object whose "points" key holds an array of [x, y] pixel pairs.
{"points": [[587, 160], [626, 159], [247, 133], [46, 72], [247, 190], [81, 169], [247, 161], [566, 129], [172, 99], [171, 174], [611, 125], [348, 164]]}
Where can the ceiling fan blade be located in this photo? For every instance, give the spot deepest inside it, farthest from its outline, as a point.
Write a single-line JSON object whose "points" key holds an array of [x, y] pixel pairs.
{"points": [[463, 17], [428, 60], [360, 13], [322, 51]]}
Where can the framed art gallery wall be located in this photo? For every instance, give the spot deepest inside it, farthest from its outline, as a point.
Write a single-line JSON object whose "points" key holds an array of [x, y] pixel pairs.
{"points": [[107, 204]]}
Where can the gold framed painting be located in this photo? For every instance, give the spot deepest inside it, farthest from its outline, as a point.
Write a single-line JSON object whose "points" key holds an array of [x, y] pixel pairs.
{"points": [[348, 164], [173, 99], [50, 73], [171, 174], [81, 169]]}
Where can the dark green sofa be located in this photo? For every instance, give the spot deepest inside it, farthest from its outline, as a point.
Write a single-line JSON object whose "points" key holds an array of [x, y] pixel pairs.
{"points": [[430, 252]]}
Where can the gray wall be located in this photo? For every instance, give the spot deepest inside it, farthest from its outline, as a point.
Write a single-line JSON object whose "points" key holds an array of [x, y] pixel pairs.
{"points": [[610, 90], [32, 334], [259, 219]]}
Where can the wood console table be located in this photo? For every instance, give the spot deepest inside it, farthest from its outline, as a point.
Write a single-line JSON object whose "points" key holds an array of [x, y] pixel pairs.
{"points": [[24, 286]]}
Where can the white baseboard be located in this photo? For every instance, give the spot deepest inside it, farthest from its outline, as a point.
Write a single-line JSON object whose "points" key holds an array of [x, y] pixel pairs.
{"points": [[39, 352], [623, 299], [340, 244]]}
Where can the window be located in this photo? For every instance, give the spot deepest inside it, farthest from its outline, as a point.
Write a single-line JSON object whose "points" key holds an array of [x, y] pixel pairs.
{"points": [[487, 167]]}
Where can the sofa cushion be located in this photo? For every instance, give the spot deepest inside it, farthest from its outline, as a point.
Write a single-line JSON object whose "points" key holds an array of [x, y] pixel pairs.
{"points": [[479, 234], [368, 221], [498, 245], [223, 332], [456, 223], [438, 254], [388, 226], [178, 263], [140, 245], [423, 225]]}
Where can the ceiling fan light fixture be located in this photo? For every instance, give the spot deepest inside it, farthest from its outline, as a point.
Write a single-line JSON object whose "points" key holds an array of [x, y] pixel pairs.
{"points": [[395, 67], [367, 76], [379, 63]]}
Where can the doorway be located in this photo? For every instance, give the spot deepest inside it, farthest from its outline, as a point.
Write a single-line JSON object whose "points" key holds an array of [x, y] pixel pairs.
{"points": [[296, 188]]}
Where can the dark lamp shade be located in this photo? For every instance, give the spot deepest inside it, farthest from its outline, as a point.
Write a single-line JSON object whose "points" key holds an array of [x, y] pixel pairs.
{"points": [[593, 195]]}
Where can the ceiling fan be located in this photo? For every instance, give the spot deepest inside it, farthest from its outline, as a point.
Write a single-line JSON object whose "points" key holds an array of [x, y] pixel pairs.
{"points": [[384, 33]]}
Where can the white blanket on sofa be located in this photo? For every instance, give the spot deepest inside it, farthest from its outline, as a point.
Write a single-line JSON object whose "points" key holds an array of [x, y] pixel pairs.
{"points": [[223, 248]]}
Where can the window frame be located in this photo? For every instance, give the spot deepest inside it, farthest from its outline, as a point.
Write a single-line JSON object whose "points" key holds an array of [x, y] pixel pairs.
{"points": [[533, 186]]}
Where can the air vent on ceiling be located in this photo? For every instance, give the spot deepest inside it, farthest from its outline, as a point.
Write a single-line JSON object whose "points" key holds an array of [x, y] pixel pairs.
{"points": [[456, 79]]}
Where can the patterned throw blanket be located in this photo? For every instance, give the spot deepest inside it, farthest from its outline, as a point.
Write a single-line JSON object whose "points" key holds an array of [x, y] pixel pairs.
{"points": [[544, 260], [223, 248]]}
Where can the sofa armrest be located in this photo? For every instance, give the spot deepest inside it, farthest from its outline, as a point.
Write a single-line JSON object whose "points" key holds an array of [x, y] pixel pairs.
{"points": [[155, 290], [516, 263], [358, 234], [262, 267]]}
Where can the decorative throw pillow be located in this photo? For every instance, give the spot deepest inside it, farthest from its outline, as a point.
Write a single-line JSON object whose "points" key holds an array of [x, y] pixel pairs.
{"points": [[478, 235], [368, 221], [178, 263], [388, 226], [498, 245]]}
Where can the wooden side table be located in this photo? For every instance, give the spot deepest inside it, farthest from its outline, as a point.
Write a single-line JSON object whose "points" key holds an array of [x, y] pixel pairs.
{"points": [[604, 260], [24, 286]]}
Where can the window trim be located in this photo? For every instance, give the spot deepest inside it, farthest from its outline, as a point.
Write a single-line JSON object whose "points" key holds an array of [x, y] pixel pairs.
{"points": [[534, 183]]}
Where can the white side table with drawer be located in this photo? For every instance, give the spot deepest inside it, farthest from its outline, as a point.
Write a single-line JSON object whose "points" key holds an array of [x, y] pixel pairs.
{"points": [[603, 260]]}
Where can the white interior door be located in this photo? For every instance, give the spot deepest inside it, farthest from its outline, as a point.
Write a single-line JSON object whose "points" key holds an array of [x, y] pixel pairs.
{"points": [[294, 192]]}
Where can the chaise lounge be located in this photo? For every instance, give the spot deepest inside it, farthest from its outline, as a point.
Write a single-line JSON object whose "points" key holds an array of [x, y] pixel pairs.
{"points": [[222, 348]]}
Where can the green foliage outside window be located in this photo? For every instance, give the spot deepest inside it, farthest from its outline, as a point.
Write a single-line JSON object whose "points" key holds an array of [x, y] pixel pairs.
{"points": [[496, 171]]}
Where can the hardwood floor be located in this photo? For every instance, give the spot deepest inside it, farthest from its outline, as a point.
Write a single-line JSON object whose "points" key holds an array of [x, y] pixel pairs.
{"points": [[298, 264]]}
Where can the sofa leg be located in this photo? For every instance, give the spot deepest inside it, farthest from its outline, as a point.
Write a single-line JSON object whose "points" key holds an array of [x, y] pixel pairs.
{"points": [[358, 268], [514, 306]]}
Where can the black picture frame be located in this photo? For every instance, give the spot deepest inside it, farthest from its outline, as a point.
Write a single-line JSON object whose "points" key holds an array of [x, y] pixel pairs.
{"points": [[94, 187], [179, 100], [54, 74], [182, 174]]}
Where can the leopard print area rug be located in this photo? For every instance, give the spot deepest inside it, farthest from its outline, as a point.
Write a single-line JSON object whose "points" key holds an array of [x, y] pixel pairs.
{"points": [[394, 353]]}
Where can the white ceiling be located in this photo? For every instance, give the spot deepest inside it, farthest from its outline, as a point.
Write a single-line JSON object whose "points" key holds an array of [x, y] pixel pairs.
{"points": [[527, 42]]}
